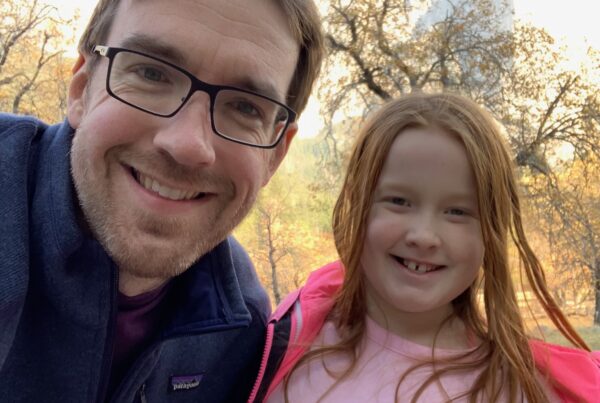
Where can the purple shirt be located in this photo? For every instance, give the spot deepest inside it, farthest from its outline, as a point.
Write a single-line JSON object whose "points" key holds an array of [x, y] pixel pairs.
{"points": [[139, 319]]}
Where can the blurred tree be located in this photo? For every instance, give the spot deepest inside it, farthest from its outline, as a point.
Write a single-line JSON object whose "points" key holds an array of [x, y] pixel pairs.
{"points": [[288, 232], [546, 107], [389, 47], [33, 71], [567, 211], [550, 112], [276, 240]]}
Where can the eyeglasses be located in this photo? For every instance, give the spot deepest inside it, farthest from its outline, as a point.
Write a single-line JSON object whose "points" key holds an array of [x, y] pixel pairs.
{"points": [[160, 88]]}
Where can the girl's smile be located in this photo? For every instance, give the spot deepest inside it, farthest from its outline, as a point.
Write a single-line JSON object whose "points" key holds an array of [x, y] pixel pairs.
{"points": [[417, 267]]}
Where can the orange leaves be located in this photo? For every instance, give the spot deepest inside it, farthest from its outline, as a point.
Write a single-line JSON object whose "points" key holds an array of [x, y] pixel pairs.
{"points": [[33, 70]]}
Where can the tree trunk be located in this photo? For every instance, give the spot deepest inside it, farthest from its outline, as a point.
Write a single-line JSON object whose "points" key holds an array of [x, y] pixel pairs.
{"points": [[597, 283], [273, 263], [276, 293]]}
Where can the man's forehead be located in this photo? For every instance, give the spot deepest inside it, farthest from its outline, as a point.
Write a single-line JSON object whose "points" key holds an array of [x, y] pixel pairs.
{"points": [[221, 42]]}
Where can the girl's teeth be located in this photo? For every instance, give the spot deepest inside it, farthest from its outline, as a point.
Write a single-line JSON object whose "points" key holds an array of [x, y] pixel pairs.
{"points": [[419, 268]]}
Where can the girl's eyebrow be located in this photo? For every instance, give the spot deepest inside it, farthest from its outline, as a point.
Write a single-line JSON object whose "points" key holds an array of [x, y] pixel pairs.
{"points": [[459, 195], [393, 184], [463, 196]]}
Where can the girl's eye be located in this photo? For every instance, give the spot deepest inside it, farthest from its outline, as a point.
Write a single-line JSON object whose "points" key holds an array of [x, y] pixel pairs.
{"points": [[456, 212], [399, 201]]}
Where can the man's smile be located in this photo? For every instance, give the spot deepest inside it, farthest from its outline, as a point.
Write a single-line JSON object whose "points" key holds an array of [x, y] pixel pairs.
{"points": [[155, 186]]}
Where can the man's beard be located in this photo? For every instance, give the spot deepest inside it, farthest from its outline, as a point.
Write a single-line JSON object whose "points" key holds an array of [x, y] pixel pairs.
{"points": [[161, 257]]}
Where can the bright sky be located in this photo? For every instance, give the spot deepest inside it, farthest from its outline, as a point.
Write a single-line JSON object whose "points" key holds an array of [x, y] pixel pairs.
{"points": [[573, 22]]}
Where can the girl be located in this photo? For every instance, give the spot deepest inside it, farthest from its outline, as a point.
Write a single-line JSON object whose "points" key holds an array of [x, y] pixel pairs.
{"points": [[422, 306]]}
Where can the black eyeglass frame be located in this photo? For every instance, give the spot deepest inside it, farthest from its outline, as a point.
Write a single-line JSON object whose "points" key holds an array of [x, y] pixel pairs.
{"points": [[197, 85]]}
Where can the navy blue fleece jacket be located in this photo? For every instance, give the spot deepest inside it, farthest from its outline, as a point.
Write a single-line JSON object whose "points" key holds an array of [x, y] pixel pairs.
{"points": [[58, 292]]}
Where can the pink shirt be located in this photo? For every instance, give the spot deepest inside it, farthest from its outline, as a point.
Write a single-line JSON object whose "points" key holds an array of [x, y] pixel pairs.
{"points": [[385, 358]]}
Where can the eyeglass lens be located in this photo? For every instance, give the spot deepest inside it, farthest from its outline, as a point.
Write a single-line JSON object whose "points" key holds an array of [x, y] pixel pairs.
{"points": [[161, 89]]}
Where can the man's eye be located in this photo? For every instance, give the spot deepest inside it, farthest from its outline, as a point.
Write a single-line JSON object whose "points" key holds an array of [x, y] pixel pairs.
{"points": [[246, 108], [152, 74]]}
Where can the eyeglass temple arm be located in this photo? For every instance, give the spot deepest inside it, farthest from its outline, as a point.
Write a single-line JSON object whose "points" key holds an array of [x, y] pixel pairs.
{"points": [[101, 50]]}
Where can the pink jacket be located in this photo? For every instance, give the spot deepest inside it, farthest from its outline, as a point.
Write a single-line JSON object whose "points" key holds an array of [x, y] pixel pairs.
{"points": [[575, 373]]}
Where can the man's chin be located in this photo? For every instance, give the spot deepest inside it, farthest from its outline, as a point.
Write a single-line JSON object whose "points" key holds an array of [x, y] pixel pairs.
{"points": [[154, 264], [149, 248], [153, 255]]}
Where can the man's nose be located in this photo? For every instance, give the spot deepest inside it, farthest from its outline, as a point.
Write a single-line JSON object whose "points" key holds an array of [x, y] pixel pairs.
{"points": [[188, 136], [422, 233]]}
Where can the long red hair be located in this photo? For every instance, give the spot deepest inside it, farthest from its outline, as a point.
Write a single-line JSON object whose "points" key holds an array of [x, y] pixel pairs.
{"points": [[508, 361]]}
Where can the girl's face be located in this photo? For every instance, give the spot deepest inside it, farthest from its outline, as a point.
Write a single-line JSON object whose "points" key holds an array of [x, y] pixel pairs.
{"points": [[423, 245]]}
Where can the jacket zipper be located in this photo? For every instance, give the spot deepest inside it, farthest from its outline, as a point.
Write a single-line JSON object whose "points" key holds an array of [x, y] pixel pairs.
{"points": [[143, 393], [296, 315], [263, 362], [107, 357]]}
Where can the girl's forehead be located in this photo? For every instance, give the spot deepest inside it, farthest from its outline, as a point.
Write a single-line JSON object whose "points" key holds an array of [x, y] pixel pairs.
{"points": [[429, 158]]}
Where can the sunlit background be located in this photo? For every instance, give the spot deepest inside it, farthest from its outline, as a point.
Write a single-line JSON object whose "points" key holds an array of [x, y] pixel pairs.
{"points": [[573, 23], [543, 91]]}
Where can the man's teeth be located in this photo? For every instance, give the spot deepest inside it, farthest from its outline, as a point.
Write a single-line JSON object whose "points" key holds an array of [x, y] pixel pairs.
{"points": [[164, 191], [418, 267]]}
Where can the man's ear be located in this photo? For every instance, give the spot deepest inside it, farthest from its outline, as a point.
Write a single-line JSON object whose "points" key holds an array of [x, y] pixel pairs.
{"points": [[76, 96], [279, 152]]}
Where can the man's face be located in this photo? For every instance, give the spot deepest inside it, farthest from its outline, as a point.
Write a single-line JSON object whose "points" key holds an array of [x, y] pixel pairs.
{"points": [[158, 192]]}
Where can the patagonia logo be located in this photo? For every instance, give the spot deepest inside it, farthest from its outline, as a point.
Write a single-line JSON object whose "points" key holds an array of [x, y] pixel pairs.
{"points": [[186, 382]]}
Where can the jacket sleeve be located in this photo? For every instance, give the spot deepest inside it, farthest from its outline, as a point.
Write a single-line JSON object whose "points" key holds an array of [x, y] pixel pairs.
{"points": [[573, 373], [16, 138]]}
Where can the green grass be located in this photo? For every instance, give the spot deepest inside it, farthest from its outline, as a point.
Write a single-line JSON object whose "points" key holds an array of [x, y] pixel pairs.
{"points": [[591, 335]]}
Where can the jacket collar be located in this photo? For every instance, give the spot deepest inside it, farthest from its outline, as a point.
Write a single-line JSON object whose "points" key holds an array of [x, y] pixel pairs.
{"points": [[55, 201], [213, 297]]}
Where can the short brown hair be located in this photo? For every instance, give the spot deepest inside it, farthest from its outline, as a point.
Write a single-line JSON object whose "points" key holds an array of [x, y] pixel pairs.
{"points": [[304, 22]]}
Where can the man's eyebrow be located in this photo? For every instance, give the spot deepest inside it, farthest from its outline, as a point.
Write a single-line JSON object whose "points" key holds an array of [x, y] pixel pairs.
{"points": [[154, 47], [261, 87], [157, 48]]}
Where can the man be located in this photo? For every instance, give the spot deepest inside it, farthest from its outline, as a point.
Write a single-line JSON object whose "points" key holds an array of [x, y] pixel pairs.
{"points": [[118, 279]]}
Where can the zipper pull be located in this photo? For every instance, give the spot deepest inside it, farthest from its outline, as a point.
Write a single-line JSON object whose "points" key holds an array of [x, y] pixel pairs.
{"points": [[143, 393]]}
